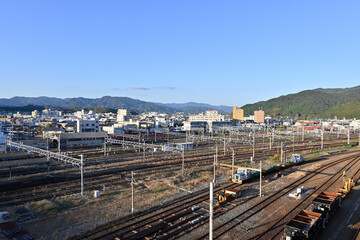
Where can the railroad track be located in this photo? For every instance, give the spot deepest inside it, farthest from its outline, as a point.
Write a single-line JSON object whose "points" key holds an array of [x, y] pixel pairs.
{"points": [[72, 187], [243, 216], [128, 224], [123, 231], [276, 230]]}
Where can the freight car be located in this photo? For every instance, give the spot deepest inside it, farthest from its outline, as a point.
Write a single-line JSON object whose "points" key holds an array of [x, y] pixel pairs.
{"points": [[151, 137], [308, 223]]}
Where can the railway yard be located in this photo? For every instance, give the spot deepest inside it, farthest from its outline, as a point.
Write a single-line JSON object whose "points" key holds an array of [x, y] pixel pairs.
{"points": [[170, 189]]}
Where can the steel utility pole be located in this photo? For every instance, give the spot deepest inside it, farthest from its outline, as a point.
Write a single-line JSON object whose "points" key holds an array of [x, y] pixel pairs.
{"points": [[48, 156], [224, 145], [322, 139], [105, 147], [82, 174], [211, 211], [214, 169], [233, 163], [59, 143], [260, 178], [253, 153], [132, 191], [303, 133], [144, 151], [183, 161], [293, 142], [216, 158]]}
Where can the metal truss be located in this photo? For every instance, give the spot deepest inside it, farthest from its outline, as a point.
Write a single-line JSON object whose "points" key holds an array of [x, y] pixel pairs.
{"points": [[46, 153]]}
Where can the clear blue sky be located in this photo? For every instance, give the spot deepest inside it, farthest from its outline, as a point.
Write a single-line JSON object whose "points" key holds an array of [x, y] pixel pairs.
{"points": [[217, 52]]}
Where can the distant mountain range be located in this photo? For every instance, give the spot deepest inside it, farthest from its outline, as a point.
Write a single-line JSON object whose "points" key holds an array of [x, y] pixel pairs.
{"points": [[323, 103], [105, 103], [316, 103]]}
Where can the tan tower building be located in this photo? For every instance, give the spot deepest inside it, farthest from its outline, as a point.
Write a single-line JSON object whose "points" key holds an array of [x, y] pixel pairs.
{"points": [[238, 114], [259, 116]]}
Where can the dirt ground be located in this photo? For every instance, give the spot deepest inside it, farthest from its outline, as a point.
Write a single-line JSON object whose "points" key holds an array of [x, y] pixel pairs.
{"points": [[70, 215], [260, 222]]}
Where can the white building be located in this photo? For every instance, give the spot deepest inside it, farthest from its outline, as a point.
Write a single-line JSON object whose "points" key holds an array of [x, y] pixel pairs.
{"points": [[355, 124], [114, 129], [87, 125], [208, 116], [122, 115]]}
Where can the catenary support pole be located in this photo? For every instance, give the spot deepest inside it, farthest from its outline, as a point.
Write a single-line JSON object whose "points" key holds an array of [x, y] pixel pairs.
{"points": [[183, 161], [260, 178], [132, 191], [233, 163], [211, 211], [322, 139], [82, 174]]}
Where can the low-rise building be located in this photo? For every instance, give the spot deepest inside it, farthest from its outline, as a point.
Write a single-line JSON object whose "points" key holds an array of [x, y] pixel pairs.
{"points": [[194, 126], [208, 116], [80, 140], [87, 125]]}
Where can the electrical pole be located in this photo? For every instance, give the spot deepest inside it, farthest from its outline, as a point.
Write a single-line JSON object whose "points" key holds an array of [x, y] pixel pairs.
{"points": [[216, 158], [214, 169], [303, 133], [260, 177], [253, 153], [348, 135], [233, 163], [132, 191], [224, 145], [282, 149], [322, 139], [183, 161], [211, 211], [59, 143], [105, 147], [47, 156], [293, 143], [82, 174]]}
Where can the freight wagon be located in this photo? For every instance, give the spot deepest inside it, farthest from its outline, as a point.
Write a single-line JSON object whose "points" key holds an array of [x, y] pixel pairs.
{"points": [[308, 223]]}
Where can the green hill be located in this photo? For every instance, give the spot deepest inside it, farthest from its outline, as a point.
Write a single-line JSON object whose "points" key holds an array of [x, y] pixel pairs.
{"points": [[340, 102]]}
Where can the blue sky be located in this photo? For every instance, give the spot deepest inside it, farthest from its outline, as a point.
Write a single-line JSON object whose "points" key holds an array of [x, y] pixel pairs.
{"points": [[217, 52]]}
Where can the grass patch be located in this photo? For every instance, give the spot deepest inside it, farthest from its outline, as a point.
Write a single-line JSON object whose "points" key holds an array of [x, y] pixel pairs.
{"points": [[47, 207]]}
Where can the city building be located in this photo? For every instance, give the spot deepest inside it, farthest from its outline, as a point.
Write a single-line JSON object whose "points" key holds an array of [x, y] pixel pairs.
{"points": [[259, 116], [80, 140], [194, 126], [35, 113], [122, 115], [208, 116], [238, 114], [87, 125], [113, 129]]}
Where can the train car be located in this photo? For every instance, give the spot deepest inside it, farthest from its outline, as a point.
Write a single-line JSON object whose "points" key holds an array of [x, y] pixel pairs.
{"points": [[305, 225], [326, 203], [308, 223], [242, 175], [297, 158]]}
